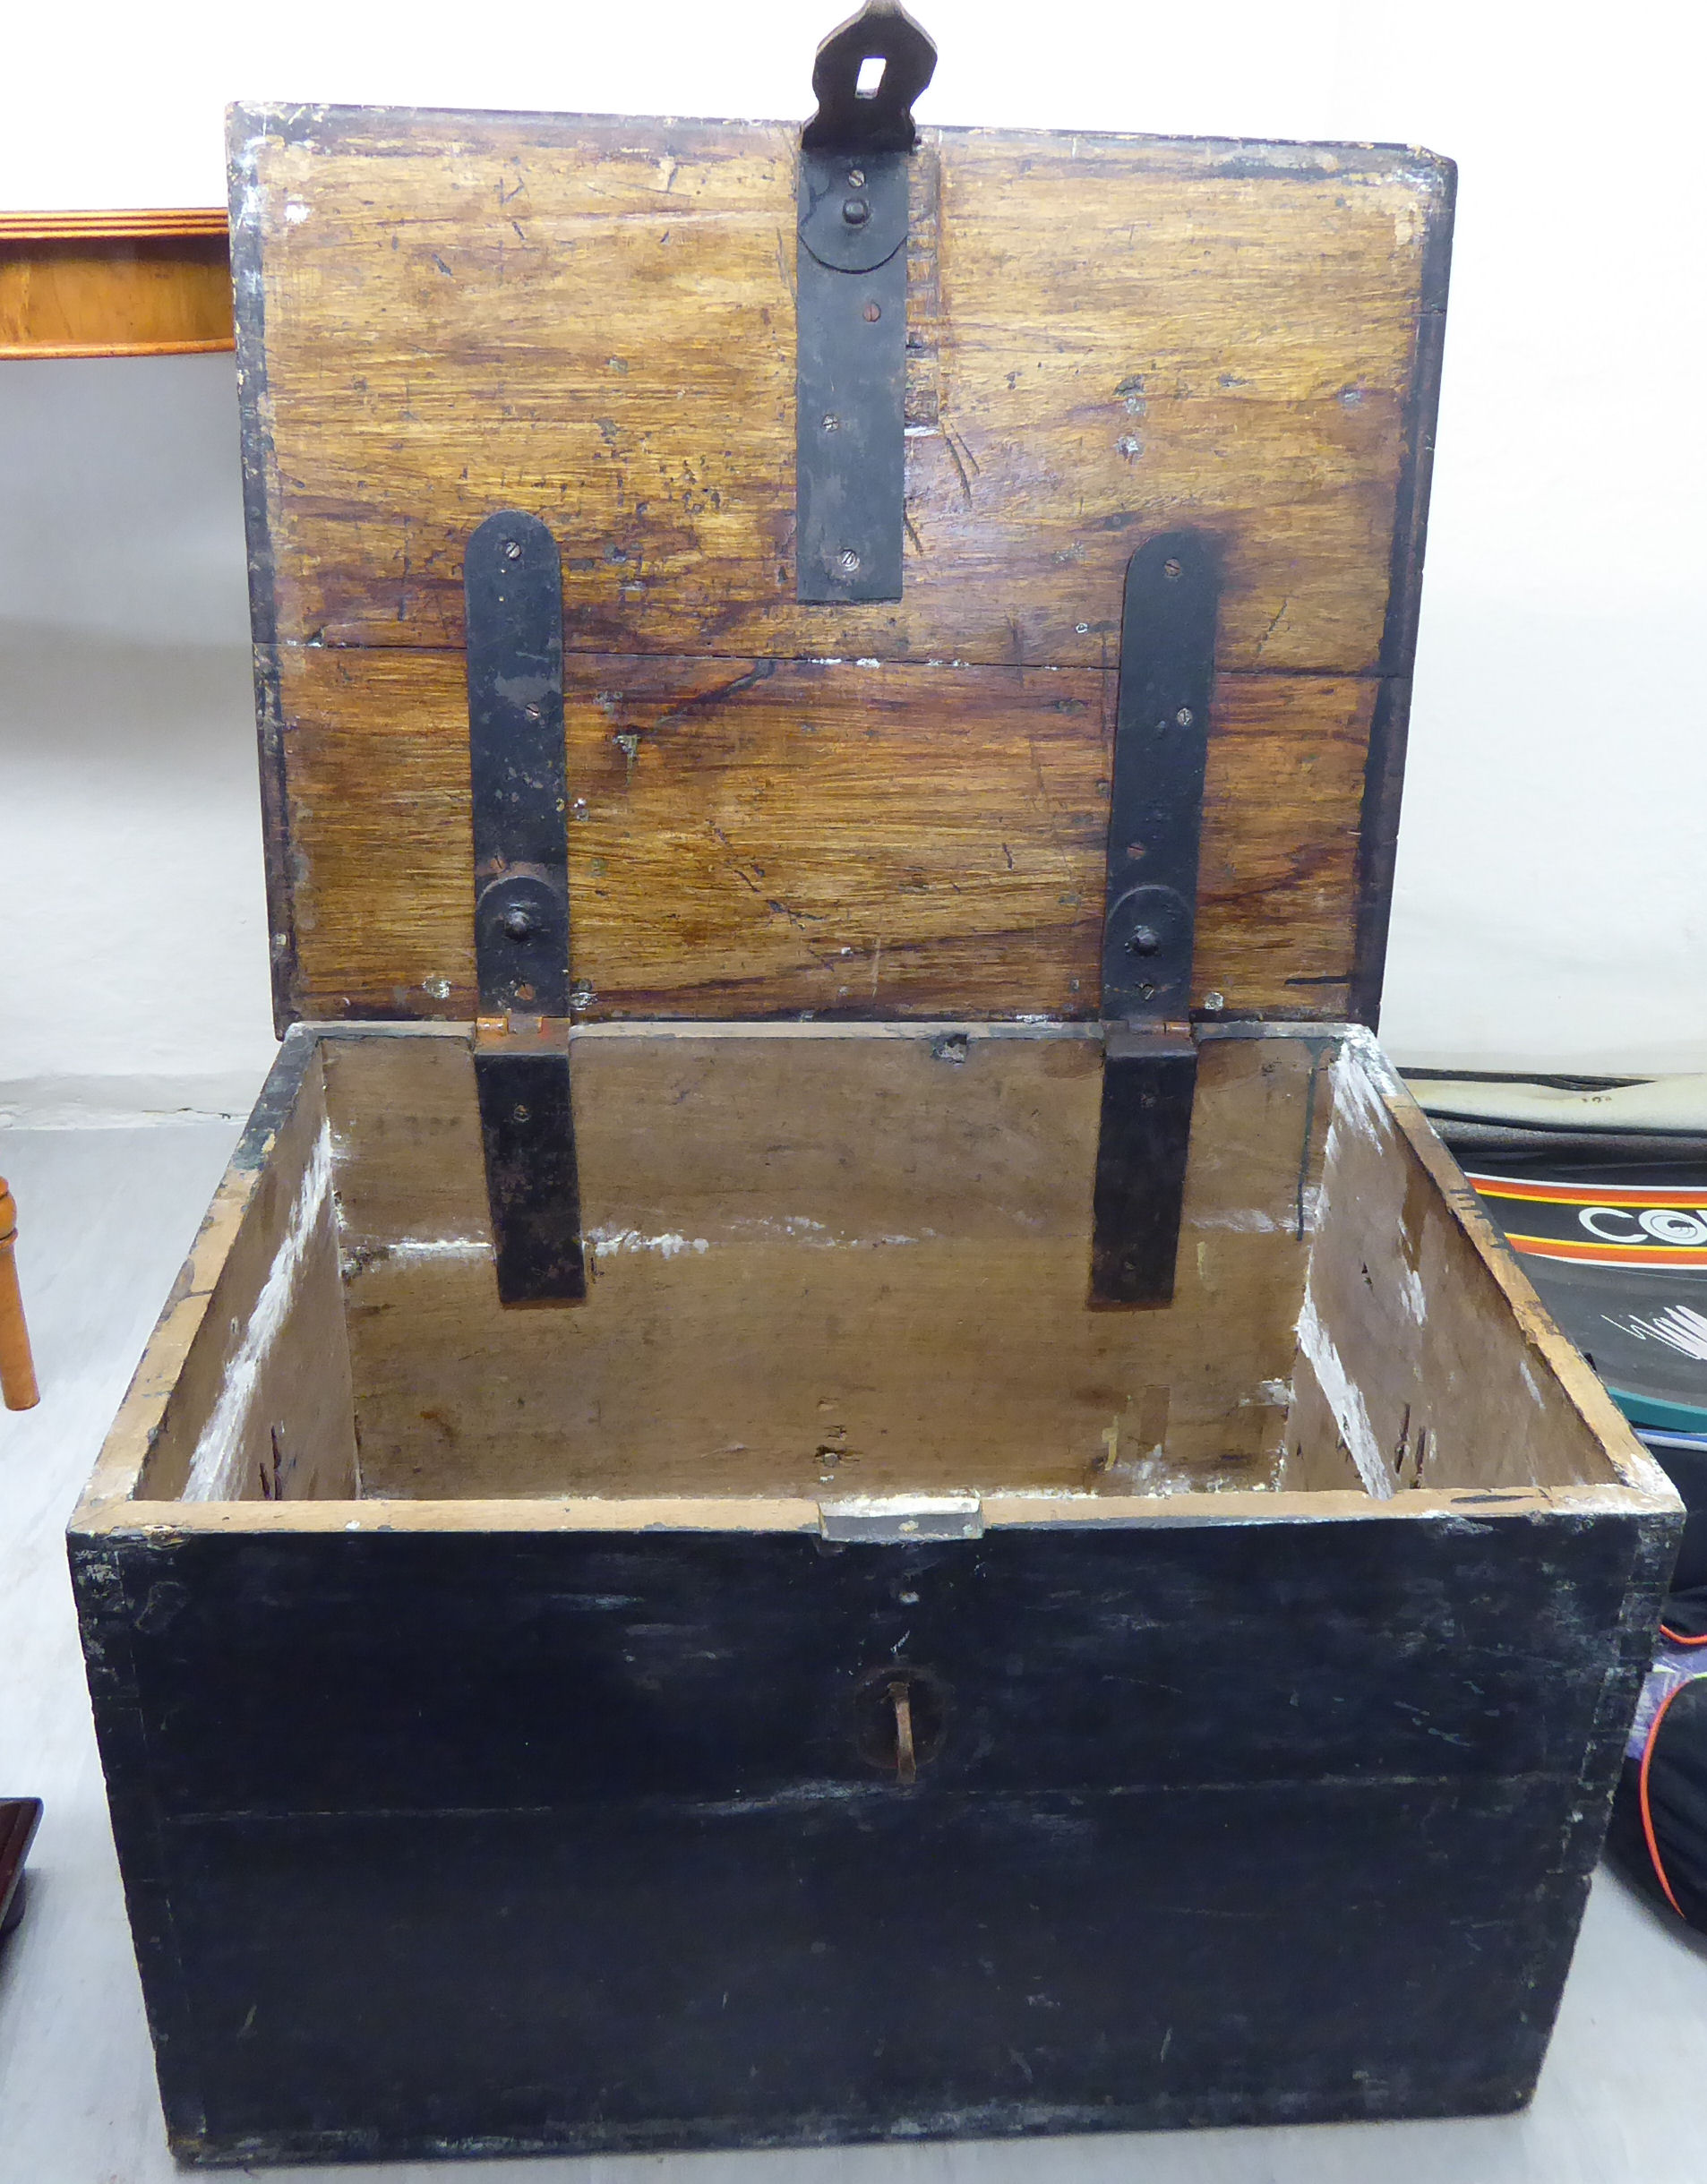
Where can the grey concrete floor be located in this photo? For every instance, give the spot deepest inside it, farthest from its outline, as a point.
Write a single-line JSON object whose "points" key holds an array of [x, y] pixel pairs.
{"points": [[106, 1215]]}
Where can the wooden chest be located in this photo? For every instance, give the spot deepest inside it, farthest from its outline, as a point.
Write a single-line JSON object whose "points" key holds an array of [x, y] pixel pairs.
{"points": [[903, 1605]]}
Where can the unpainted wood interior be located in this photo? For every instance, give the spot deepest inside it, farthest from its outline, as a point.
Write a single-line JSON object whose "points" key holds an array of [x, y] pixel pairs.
{"points": [[829, 1263], [877, 810], [1415, 1368], [263, 1408]]}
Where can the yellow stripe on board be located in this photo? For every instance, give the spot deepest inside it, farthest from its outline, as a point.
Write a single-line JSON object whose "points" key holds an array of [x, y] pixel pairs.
{"points": [[1611, 1254]]}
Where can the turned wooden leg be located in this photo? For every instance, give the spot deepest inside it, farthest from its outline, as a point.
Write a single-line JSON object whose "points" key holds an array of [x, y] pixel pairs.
{"points": [[17, 1367]]}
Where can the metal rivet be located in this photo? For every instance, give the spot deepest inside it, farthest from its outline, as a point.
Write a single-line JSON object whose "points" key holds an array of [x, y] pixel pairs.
{"points": [[578, 810], [520, 1114], [519, 921], [512, 550], [873, 313], [1214, 1000], [1083, 628], [855, 211], [1145, 940], [848, 560], [1183, 717], [1171, 570]]}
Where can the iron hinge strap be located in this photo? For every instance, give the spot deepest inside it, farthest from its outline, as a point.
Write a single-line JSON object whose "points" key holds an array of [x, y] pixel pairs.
{"points": [[1156, 827], [512, 585], [851, 309]]}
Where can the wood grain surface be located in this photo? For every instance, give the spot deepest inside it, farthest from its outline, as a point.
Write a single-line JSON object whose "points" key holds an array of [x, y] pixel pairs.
{"points": [[1415, 1368], [758, 837], [1317, 1189], [443, 314], [261, 1407], [818, 1266], [114, 284]]}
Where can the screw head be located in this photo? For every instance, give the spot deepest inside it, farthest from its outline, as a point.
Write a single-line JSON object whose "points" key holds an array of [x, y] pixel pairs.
{"points": [[848, 561], [520, 1114], [512, 550], [855, 211], [856, 177], [1183, 718], [873, 313], [1214, 1000], [832, 424], [1144, 940], [1171, 570]]}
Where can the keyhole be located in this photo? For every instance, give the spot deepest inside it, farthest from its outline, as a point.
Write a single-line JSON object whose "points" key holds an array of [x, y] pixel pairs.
{"points": [[899, 1714], [906, 1763]]}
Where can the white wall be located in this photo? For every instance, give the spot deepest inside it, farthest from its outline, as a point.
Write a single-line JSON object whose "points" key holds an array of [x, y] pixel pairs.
{"points": [[1552, 900], [132, 921]]}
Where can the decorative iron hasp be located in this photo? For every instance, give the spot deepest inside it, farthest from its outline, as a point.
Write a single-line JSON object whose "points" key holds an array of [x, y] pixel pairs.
{"points": [[513, 588], [1156, 824], [852, 308]]}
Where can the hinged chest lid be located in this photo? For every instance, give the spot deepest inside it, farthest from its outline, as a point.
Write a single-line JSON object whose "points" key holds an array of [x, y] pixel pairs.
{"points": [[895, 808]]}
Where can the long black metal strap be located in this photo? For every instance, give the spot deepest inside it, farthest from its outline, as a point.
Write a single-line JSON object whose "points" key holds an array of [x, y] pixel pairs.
{"points": [[1155, 825], [513, 582], [851, 309]]}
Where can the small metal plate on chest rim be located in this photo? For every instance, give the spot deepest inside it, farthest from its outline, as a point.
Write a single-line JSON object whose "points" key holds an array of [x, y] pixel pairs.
{"points": [[893, 1521]]}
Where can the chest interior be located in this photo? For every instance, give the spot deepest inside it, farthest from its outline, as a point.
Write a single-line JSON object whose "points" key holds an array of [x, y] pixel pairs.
{"points": [[831, 1266], [829, 873]]}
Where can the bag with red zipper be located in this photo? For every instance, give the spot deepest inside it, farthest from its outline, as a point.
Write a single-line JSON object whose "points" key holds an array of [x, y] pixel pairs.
{"points": [[1600, 1188], [1658, 1834]]}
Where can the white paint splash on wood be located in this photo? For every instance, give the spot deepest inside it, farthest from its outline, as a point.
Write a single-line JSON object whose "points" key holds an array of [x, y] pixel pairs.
{"points": [[796, 1229], [1345, 1400], [1358, 1109], [216, 1468], [668, 1246], [1253, 1222], [1358, 1103]]}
